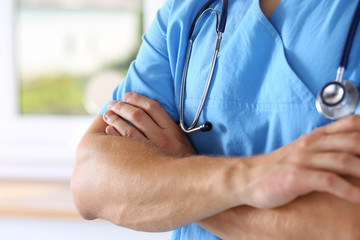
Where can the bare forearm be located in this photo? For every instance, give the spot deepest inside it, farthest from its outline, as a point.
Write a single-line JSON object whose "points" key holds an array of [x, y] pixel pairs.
{"points": [[138, 186], [163, 193], [314, 216]]}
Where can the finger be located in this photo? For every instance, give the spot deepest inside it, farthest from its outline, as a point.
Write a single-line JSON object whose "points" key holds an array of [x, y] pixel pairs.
{"points": [[348, 124], [110, 130], [122, 127], [340, 163], [329, 183], [341, 142], [152, 108], [138, 117]]}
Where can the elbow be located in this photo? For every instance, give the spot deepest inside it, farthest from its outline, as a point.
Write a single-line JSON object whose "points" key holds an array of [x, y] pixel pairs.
{"points": [[80, 186], [86, 204], [87, 187], [80, 199]]}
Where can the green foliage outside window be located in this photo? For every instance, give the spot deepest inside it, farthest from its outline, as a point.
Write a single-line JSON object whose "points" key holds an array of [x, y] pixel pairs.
{"points": [[62, 92]]}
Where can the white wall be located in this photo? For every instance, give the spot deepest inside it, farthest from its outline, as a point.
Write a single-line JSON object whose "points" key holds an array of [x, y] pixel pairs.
{"points": [[43, 149], [40, 147]]}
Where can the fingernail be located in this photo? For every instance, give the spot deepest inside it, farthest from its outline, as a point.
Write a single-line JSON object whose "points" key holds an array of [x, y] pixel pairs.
{"points": [[127, 96], [111, 104], [107, 115]]}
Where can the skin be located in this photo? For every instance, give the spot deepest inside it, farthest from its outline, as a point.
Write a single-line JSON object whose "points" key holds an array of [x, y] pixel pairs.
{"points": [[248, 222], [140, 185], [149, 178], [268, 6]]}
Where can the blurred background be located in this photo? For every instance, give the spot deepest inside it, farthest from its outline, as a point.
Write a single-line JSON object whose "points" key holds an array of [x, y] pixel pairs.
{"points": [[59, 62]]}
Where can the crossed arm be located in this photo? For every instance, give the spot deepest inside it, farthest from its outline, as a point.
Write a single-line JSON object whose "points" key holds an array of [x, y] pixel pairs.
{"points": [[152, 180]]}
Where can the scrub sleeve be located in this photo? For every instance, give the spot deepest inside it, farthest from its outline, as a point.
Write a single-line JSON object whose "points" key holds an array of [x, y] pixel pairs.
{"points": [[268, 73], [150, 74]]}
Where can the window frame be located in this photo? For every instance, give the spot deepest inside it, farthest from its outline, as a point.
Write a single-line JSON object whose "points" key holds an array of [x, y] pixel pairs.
{"points": [[36, 146]]}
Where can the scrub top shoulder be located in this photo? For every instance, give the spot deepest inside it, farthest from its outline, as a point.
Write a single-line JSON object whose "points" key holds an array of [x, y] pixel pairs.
{"points": [[268, 72]]}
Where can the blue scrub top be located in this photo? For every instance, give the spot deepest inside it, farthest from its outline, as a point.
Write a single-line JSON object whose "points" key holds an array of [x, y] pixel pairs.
{"points": [[266, 78]]}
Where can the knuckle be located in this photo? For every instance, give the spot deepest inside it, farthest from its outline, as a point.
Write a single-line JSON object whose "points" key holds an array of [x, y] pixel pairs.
{"points": [[293, 184], [115, 121], [298, 158], [291, 178], [152, 105], [344, 160], [128, 132], [162, 141], [306, 141], [136, 115], [330, 180]]}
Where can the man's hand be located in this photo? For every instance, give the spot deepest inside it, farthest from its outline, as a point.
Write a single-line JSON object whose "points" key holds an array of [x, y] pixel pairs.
{"points": [[152, 124], [317, 161], [314, 162], [135, 185]]}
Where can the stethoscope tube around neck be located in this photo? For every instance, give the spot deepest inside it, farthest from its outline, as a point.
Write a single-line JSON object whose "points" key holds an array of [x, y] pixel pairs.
{"points": [[336, 99], [339, 98], [220, 28], [350, 38]]}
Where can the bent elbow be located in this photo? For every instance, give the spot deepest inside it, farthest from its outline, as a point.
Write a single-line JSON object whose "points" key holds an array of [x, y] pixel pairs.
{"points": [[79, 187], [83, 211], [80, 199]]}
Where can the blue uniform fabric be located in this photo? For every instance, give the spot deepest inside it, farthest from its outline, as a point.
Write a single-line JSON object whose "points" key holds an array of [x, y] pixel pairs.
{"points": [[267, 76]]}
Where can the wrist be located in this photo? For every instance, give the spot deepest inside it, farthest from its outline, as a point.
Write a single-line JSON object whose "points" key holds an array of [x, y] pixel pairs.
{"points": [[239, 178], [245, 175]]}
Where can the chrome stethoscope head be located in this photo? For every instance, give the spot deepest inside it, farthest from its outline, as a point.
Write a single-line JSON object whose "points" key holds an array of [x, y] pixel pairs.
{"points": [[220, 27], [339, 98]]}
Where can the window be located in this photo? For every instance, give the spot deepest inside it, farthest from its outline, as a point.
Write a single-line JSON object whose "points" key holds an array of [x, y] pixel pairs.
{"points": [[54, 54], [67, 49]]}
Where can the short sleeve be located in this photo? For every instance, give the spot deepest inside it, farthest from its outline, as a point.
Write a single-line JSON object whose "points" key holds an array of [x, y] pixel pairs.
{"points": [[150, 74]]}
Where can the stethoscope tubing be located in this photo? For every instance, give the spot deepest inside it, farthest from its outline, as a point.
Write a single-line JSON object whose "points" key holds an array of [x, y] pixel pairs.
{"points": [[350, 38], [220, 28], [222, 19], [341, 89], [321, 104]]}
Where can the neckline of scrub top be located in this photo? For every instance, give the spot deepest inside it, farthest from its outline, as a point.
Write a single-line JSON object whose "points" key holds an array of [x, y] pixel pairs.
{"points": [[300, 85], [338, 20]]}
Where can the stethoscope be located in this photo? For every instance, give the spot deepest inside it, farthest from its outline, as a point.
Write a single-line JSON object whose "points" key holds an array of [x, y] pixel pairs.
{"points": [[337, 99]]}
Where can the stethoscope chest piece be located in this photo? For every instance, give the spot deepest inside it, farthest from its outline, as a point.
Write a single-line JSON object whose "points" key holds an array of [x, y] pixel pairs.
{"points": [[337, 99]]}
